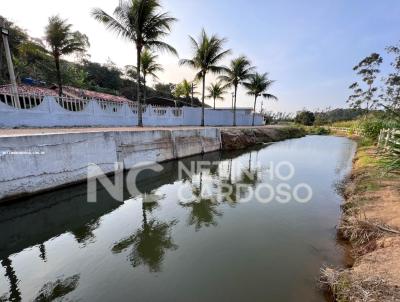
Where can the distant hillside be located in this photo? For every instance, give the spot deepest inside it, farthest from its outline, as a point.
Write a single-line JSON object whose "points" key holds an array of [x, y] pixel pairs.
{"points": [[32, 60]]}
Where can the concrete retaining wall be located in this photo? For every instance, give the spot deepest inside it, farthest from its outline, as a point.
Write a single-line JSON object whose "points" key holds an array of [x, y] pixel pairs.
{"points": [[30, 164]]}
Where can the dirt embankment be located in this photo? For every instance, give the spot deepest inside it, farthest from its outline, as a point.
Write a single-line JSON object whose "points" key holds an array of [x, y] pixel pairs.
{"points": [[371, 222], [240, 138]]}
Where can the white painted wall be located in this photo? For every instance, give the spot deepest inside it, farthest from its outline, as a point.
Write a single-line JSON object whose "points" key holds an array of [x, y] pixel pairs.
{"points": [[49, 114]]}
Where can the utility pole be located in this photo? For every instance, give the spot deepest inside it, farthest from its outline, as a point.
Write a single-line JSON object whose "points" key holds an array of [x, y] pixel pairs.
{"points": [[14, 89]]}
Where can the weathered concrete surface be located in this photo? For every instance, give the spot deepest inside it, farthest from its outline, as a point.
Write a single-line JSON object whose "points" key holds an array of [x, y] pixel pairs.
{"points": [[33, 163], [30, 164], [234, 139]]}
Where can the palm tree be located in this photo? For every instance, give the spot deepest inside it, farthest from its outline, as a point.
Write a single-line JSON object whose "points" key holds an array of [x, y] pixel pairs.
{"points": [[140, 22], [258, 85], [186, 89], [149, 67], [216, 91], [208, 52], [239, 70], [183, 89], [63, 41]]}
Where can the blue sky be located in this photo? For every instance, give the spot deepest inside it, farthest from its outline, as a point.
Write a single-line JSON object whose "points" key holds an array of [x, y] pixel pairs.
{"points": [[309, 47]]}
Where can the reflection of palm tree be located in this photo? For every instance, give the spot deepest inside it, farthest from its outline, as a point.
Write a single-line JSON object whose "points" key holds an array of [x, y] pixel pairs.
{"points": [[58, 289], [228, 183], [150, 203], [202, 213], [151, 241], [42, 250], [203, 210], [149, 244], [249, 176], [15, 293], [84, 234]]}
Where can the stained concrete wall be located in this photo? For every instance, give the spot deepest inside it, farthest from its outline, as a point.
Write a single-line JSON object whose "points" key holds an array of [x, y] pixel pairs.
{"points": [[30, 164], [49, 114]]}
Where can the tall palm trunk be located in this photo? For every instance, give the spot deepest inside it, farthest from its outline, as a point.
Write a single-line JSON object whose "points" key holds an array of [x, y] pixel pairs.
{"points": [[214, 103], [144, 89], [234, 107], [202, 100], [140, 119], [254, 110], [58, 71]]}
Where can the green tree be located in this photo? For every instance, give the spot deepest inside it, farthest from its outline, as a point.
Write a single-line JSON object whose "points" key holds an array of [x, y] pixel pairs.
{"points": [[149, 67], [208, 53], [367, 69], [63, 41], [183, 90], [165, 89], [140, 22], [103, 75], [216, 91], [31, 58], [239, 70], [306, 118], [392, 93], [258, 85], [15, 38]]}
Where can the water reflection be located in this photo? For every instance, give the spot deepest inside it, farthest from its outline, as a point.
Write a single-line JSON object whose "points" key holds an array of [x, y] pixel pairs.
{"points": [[221, 188], [150, 242], [14, 292], [60, 233], [84, 234], [203, 212], [42, 250], [58, 289]]}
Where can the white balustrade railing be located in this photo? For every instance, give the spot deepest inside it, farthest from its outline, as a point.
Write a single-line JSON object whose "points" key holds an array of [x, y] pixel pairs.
{"points": [[389, 140], [22, 100], [72, 104], [64, 111]]}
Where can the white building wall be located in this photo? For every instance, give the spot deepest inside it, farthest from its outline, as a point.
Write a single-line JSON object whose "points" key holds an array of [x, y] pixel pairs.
{"points": [[49, 114]]}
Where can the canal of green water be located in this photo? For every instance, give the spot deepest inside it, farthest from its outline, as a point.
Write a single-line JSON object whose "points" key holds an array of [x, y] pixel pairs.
{"points": [[185, 239]]}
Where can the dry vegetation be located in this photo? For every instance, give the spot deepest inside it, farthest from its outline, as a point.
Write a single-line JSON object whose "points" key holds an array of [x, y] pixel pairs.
{"points": [[371, 222]]}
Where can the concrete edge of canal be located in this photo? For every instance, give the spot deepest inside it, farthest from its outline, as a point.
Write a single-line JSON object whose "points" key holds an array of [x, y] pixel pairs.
{"points": [[34, 163]]}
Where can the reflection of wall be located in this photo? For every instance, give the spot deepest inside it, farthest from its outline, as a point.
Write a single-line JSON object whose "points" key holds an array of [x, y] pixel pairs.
{"points": [[59, 159], [39, 218], [50, 113]]}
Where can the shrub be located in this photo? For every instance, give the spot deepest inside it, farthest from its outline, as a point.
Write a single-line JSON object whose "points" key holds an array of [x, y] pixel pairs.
{"points": [[318, 131], [306, 118], [371, 127]]}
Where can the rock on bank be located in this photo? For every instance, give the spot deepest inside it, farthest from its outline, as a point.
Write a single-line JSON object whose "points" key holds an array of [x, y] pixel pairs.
{"points": [[240, 138]]}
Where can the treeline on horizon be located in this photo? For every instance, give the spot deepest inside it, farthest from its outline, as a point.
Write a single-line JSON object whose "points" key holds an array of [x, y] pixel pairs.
{"points": [[375, 96], [32, 60]]}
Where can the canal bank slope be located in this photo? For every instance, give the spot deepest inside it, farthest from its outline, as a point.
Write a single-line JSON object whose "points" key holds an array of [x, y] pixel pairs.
{"points": [[371, 223], [34, 162]]}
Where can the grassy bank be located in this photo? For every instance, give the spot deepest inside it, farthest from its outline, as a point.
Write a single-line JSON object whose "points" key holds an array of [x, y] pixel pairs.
{"points": [[371, 223]]}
